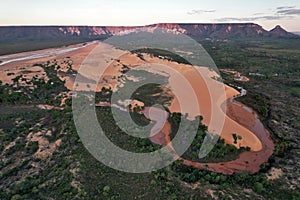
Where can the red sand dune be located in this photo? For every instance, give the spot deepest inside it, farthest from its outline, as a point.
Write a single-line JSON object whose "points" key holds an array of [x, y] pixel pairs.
{"points": [[237, 119]]}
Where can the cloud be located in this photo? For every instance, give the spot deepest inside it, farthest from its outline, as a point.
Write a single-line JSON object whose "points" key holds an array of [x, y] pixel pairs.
{"points": [[283, 12], [199, 12], [289, 12], [243, 19], [259, 14], [285, 7]]}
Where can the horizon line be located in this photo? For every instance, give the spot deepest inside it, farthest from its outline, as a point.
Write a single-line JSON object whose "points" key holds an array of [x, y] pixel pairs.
{"points": [[85, 25]]}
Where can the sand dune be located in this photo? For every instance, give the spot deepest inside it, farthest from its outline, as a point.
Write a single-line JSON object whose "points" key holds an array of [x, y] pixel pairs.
{"points": [[210, 95], [211, 98]]}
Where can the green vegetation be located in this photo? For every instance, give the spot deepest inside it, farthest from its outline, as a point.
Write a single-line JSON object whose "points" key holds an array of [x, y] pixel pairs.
{"points": [[120, 138], [72, 173], [146, 94], [272, 92], [35, 90], [161, 54], [272, 58], [220, 151], [13, 45], [236, 138]]}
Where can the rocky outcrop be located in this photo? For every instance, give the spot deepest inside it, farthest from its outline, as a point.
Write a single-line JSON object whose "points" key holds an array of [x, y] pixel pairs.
{"points": [[198, 31]]}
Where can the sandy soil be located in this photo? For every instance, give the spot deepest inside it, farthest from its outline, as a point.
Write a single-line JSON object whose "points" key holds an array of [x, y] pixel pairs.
{"points": [[242, 79], [238, 120], [200, 86], [25, 66], [45, 149], [161, 137], [236, 75], [274, 173], [248, 161]]}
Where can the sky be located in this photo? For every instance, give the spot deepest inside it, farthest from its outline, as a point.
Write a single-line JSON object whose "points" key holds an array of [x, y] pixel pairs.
{"points": [[267, 13]]}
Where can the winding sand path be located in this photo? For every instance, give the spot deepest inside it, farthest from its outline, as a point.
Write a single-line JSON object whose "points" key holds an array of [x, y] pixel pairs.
{"points": [[210, 95], [249, 161]]}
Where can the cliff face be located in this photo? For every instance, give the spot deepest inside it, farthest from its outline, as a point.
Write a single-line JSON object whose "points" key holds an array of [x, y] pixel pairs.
{"points": [[197, 31], [225, 30]]}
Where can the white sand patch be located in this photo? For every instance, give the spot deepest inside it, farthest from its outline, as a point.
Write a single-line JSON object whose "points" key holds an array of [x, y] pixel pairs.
{"points": [[45, 149], [274, 173]]}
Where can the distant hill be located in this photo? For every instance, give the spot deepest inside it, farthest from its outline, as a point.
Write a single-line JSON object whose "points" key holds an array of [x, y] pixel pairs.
{"points": [[23, 38], [296, 33], [280, 32]]}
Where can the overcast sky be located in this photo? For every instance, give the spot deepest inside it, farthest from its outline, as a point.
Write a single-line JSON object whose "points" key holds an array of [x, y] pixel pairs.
{"points": [[140, 12]]}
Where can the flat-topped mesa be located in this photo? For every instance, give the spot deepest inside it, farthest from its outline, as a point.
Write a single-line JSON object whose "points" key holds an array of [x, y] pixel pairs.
{"points": [[225, 30], [195, 30]]}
